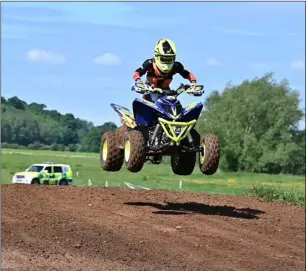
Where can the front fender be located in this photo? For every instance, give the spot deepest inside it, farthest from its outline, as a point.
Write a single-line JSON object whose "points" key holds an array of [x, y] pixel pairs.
{"points": [[144, 111], [192, 111]]}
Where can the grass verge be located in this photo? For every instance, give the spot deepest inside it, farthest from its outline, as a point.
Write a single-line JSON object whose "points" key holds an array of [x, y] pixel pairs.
{"points": [[276, 194], [86, 166]]}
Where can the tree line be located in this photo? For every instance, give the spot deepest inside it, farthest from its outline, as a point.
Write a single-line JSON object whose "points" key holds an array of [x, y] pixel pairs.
{"points": [[257, 122], [33, 126]]}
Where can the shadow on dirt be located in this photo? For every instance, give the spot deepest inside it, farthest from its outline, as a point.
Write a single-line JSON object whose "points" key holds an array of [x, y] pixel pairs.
{"points": [[199, 208]]}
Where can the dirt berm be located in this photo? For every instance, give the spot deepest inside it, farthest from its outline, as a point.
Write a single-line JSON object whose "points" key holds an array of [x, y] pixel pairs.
{"points": [[70, 228]]}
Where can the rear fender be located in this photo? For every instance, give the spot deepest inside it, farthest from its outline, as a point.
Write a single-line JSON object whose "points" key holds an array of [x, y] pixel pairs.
{"points": [[126, 116], [144, 111], [192, 111]]}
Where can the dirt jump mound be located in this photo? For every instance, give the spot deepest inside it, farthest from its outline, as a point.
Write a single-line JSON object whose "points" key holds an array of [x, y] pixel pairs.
{"points": [[73, 228]]}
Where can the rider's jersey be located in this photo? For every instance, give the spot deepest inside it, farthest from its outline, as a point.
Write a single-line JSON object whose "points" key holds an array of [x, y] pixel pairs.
{"points": [[159, 80]]}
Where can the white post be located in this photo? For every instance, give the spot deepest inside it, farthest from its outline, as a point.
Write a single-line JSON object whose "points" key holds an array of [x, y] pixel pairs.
{"points": [[77, 173], [181, 184], [89, 182], [106, 184]]}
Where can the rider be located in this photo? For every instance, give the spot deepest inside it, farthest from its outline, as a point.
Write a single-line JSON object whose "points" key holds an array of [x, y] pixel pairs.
{"points": [[161, 68]]}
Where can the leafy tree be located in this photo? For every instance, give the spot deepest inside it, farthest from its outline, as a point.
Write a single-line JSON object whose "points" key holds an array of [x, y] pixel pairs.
{"points": [[255, 121], [53, 114], [16, 103], [91, 141], [37, 108]]}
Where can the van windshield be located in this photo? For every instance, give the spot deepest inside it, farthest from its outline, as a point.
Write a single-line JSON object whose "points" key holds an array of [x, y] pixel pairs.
{"points": [[35, 168]]}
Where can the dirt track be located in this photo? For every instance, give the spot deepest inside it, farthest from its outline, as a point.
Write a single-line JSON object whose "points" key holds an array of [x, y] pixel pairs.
{"points": [[59, 228]]}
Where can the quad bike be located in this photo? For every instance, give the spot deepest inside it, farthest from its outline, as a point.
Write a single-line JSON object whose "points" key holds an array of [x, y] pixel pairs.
{"points": [[157, 129]]}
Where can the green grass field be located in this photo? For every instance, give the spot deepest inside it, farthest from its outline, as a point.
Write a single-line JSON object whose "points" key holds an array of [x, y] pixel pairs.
{"points": [[152, 176]]}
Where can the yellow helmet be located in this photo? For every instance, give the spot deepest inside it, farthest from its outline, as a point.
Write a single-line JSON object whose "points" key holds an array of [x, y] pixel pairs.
{"points": [[164, 55]]}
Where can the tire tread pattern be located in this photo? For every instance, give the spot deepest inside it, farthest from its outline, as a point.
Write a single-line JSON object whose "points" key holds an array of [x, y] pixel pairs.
{"points": [[212, 154], [183, 164], [137, 152], [114, 158]]}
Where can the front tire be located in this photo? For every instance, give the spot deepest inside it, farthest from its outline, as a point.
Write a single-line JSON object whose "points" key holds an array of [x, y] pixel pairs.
{"points": [[209, 159], [111, 157], [134, 151], [35, 181]]}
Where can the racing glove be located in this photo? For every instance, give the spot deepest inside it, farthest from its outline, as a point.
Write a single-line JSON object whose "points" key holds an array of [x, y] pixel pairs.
{"points": [[157, 90], [139, 89], [194, 90]]}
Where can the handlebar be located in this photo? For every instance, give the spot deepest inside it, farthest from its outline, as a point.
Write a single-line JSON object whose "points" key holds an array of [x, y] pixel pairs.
{"points": [[146, 88]]}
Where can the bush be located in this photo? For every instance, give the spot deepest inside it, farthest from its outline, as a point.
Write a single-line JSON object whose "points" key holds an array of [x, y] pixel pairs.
{"points": [[72, 147], [45, 147], [35, 146], [12, 146], [57, 147]]}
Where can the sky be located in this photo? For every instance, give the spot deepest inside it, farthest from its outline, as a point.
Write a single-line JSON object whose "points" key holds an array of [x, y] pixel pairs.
{"points": [[79, 57]]}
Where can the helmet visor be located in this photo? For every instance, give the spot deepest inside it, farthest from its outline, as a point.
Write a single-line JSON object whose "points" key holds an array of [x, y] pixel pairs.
{"points": [[166, 59]]}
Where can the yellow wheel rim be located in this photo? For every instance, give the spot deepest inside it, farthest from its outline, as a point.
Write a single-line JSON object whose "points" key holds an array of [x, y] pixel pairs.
{"points": [[127, 150], [104, 150], [202, 156]]}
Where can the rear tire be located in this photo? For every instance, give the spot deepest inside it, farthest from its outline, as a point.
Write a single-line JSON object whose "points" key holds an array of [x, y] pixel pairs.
{"points": [[134, 151], [63, 182], [183, 163], [209, 162], [111, 157]]}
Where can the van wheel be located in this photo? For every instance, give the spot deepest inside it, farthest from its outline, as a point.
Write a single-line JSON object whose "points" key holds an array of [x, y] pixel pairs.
{"points": [[35, 181], [63, 182]]}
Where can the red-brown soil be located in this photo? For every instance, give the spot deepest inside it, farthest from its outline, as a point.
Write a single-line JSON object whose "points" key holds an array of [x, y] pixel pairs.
{"points": [[73, 228]]}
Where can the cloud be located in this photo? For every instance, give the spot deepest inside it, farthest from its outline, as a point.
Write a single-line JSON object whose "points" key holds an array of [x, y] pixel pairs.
{"points": [[46, 57], [212, 62], [45, 15], [237, 32], [107, 59], [298, 65]]}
